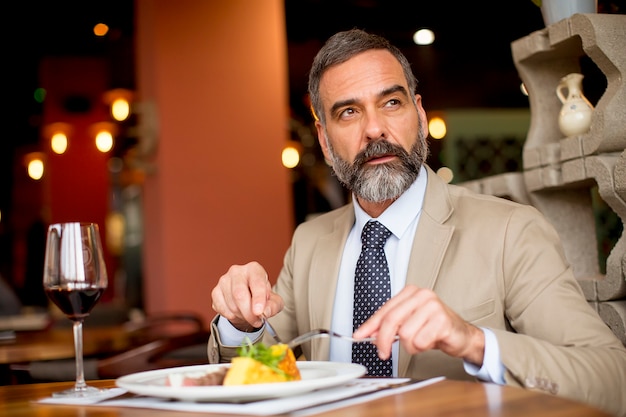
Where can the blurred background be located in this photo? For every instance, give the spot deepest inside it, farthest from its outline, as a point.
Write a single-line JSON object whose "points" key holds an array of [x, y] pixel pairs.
{"points": [[62, 71]]}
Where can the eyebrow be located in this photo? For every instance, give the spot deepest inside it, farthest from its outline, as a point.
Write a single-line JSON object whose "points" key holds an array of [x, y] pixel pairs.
{"points": [[387, 91]]}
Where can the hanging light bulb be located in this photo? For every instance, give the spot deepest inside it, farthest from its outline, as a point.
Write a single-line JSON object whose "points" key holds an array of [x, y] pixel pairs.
{"points": [[120, 109], [103, 134], [104, 141], [58, 143], [119, 100], [291, 154], [58, 133], [437, 128], [34, 162]]}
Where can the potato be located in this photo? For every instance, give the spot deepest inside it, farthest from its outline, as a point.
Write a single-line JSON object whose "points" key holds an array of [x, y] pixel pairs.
{"points": [[262, 365]]}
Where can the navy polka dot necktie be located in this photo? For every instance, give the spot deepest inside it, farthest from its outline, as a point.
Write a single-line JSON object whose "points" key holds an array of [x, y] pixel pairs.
{"points": [[372, 289]]}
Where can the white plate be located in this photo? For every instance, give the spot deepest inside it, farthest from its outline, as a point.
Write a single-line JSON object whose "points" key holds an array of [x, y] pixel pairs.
{"points": [[315, 375]]}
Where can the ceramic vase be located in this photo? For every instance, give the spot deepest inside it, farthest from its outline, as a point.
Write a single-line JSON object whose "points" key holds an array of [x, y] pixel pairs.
{"points": [[576, 111]]}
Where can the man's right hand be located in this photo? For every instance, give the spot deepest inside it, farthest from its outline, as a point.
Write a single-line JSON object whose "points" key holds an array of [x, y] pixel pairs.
{"points": [[244, 296]]}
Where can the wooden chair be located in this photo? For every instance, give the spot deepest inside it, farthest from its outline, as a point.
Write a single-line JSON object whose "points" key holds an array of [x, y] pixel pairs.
{"points": [[166, 340]]}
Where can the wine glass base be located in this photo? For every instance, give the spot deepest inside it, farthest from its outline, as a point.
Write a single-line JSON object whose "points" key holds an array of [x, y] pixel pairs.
{"points": [[80, 392]]}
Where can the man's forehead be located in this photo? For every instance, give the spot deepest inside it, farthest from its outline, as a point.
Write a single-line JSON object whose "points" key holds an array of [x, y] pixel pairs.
{"points": [[371, 71]]}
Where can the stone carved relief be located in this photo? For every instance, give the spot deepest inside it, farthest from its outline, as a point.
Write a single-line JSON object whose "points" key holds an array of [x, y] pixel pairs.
{"points": [[560, 172]]}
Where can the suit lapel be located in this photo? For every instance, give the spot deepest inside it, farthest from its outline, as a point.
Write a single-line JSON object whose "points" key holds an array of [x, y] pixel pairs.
{"points": [[432, 238]]}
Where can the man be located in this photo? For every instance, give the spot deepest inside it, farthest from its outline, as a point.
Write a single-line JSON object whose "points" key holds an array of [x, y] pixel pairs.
{"points": [[480, 285]]}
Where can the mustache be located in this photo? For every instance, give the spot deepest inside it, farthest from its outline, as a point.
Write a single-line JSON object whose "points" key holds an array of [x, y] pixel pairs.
{"points": [[377, 149]]}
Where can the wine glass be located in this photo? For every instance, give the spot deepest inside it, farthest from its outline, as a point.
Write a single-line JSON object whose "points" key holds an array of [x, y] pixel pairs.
{"points": [[74, 278]]}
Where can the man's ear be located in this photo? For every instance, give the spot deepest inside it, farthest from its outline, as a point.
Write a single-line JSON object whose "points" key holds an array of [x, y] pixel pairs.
{"points": [[323, 141], [424, 124], [421, 113]]}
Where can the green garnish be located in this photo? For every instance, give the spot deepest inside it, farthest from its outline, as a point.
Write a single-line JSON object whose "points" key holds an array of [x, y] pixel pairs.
{"points": [[262, 353]]}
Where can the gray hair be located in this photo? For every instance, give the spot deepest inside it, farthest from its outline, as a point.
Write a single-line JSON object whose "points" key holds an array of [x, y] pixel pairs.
{"points": [[341, 47]]}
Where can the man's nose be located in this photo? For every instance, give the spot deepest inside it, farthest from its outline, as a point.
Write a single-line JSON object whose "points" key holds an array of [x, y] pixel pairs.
{"points": [[374, 127]]}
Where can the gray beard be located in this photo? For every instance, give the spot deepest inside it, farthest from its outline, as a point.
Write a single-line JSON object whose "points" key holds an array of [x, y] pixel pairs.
{"points": [[380, 182]]}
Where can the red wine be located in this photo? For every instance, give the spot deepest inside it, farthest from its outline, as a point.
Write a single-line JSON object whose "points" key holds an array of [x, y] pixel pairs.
{"points": [[76, 303]]}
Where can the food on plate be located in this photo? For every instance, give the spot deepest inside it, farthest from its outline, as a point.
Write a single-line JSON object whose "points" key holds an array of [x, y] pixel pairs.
{"points": [[197, 379], [255, 364], [261, 364]]}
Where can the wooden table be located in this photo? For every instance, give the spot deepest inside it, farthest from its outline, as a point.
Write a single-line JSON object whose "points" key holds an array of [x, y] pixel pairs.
{"points": [[58, 343], [445, 398]]}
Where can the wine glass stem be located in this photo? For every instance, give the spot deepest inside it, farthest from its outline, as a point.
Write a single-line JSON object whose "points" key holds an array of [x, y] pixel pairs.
{"points": [[78, 350]]}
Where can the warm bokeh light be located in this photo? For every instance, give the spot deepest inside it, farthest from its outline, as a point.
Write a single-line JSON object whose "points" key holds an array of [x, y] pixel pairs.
{"points": [[119, 100], [34, 165], [58, 143], [424, 37], [58, 134], [446, 174], [120, 109], [437, 128], [100, 29], [290, 157], [35, 169], [103, 133], [104, 141]]}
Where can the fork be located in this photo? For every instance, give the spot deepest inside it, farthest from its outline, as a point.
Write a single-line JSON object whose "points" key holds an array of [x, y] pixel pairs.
{"points": [[271, 330], [315, 333], [328, 333]]}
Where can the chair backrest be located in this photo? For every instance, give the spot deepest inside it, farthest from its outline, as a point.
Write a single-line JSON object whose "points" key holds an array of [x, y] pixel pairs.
{"points": [[162, 340], [180, 350], [163, 325]]}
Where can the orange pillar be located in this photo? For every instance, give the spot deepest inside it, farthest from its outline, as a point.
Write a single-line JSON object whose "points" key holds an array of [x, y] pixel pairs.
{"points": [[216, 193]]}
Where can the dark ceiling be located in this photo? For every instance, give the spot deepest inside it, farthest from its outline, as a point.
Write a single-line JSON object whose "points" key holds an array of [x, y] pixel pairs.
{"points": [[470, 64]]}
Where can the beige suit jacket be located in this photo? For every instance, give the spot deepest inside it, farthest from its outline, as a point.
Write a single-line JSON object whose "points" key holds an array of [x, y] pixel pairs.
{"points": [[499, 265]]}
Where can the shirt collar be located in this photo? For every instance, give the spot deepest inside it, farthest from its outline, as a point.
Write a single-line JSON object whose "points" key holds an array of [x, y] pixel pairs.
{"points": [[399, 215]]}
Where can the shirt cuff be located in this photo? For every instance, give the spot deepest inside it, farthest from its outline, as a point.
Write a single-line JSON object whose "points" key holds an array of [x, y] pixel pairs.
{"points": [[492, 369], [231, 336]]}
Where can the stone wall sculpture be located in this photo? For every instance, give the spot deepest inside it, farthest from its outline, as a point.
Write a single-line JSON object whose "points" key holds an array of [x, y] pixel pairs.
{"points": [[560, 173]]}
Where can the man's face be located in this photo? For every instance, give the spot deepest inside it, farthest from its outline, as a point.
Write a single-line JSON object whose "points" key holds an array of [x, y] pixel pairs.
{"points": [[375, 133]]}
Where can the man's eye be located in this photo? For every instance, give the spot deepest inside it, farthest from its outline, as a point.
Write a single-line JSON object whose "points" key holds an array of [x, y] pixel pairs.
{"points": [[393, 102], [347, 112]]}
